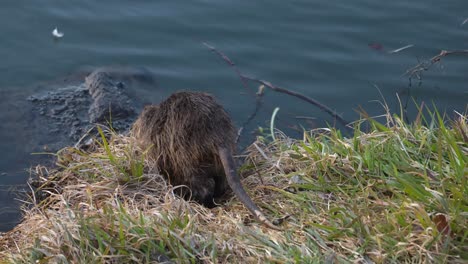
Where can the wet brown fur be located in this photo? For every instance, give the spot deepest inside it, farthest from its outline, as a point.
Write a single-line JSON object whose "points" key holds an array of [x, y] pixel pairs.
{"points": [[192, 140], [185, 132]]}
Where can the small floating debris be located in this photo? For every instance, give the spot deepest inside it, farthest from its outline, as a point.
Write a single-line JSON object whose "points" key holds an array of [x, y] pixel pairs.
{"points": [[261, 90], [400, 49], [376, 46], [57, 34], [464, 21]]}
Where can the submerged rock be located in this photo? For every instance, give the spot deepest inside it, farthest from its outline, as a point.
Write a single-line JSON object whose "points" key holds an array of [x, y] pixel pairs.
{"points": [[63, 115], [109, 100]]}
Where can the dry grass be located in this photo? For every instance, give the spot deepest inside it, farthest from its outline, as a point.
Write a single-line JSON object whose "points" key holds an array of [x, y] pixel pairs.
{"points": [[396, 194]]}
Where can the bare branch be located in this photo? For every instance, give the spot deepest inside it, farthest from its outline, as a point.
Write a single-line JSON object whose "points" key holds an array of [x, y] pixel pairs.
{"points": [[244, 79]]}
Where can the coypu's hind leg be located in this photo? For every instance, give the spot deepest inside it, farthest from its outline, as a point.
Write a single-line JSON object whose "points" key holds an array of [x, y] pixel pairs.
{"points": [[203, 189], [221, 185], [219, 177]]}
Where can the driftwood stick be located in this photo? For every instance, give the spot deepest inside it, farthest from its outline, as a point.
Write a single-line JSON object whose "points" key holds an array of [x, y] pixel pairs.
{"points": [[302, 97]]}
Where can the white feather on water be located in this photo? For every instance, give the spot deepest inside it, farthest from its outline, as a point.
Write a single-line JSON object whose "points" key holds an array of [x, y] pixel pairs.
{"points": [[57, 33]]}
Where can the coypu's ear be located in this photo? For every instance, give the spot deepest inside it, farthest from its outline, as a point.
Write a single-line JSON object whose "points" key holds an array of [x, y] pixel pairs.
{"points": [[233, 179], [148, 105], [149, 111]]}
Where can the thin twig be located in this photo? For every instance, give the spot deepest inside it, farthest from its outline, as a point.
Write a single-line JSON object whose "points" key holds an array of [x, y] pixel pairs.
{"points": [[426, 65], [305, 117], [422, 66], [230, 63], [258, 104], [261, 151]]}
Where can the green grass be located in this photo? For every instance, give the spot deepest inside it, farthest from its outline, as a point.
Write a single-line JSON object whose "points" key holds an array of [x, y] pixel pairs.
{"points": [[396, 194]]}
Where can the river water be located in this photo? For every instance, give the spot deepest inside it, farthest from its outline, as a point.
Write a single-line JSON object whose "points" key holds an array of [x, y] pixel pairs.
{"points": [[338, 52]]}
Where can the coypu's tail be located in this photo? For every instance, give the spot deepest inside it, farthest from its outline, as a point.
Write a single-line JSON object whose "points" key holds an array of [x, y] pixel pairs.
{"points": [[234, 181]]}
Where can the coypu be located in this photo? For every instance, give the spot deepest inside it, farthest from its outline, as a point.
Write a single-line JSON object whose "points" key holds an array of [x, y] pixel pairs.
{"points": [[192, 139]]}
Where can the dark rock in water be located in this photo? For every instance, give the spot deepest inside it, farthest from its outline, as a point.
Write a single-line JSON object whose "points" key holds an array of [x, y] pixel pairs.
{"points": [[72, 109], [109, 98]]}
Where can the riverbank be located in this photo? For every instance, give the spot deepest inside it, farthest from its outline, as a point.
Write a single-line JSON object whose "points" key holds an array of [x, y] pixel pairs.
{"points": [[397, 193]]}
